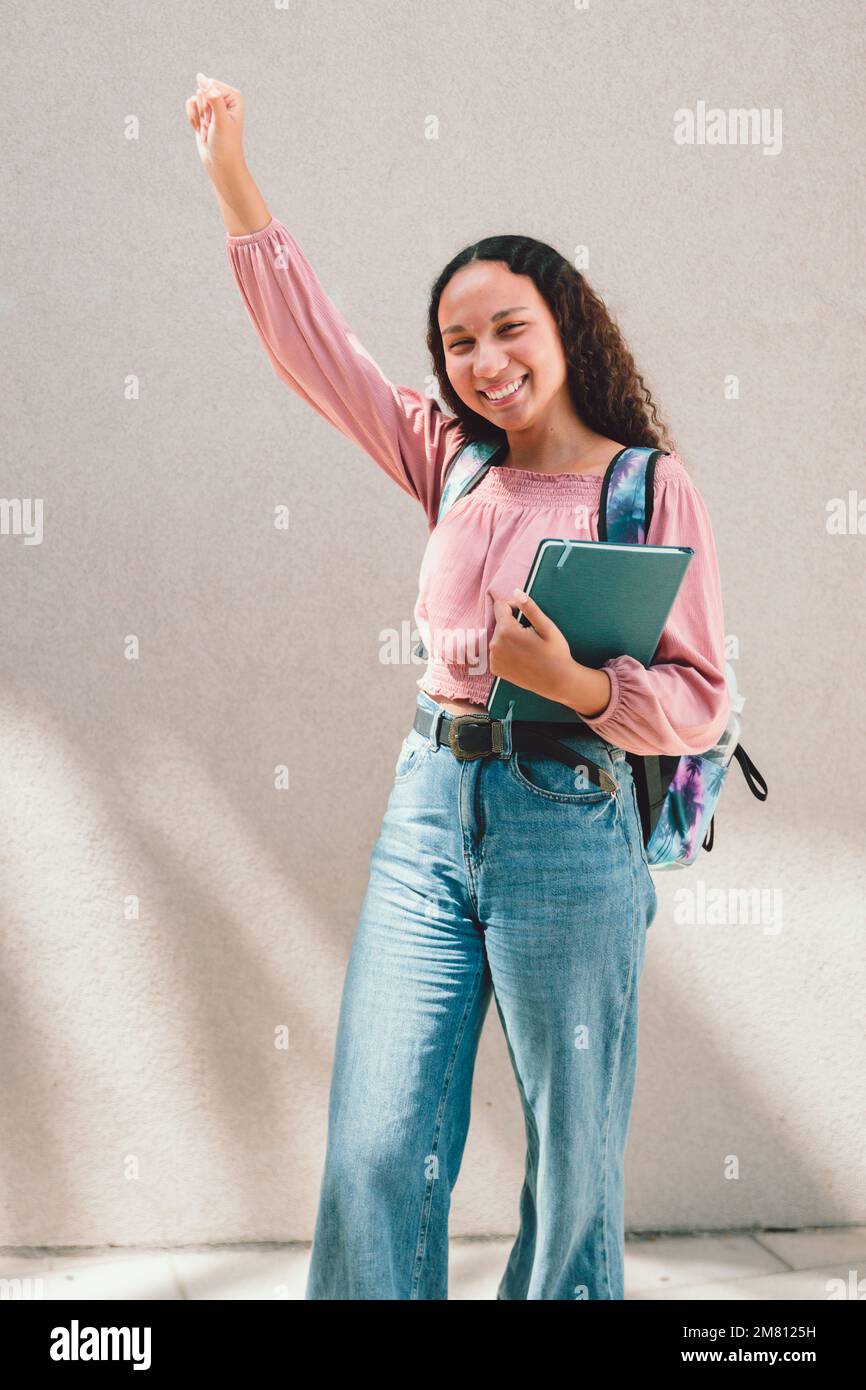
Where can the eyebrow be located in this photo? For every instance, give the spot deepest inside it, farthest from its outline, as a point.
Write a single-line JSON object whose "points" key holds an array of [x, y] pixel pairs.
{"points": [[458, 327]]}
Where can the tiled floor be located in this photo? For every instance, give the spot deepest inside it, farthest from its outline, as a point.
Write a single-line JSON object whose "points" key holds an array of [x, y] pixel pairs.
{"points": [[728, 1265]]}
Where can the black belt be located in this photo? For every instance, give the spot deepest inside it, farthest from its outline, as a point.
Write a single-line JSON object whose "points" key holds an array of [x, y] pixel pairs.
{"points": [[480, 736]]}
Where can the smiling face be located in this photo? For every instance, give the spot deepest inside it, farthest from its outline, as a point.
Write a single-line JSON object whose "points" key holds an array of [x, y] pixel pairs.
{"points": [[498, 332]]}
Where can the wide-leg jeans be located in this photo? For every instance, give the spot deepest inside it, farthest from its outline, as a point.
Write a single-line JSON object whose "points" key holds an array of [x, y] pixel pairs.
{"points": [[509, 877]]}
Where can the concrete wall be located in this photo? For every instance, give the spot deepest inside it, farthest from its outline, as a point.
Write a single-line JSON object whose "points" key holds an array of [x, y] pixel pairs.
{"points": [[164, 909]]}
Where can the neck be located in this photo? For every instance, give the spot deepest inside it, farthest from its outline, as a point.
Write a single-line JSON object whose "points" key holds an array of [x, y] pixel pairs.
{"points": [[556, 443], [582, 452]]}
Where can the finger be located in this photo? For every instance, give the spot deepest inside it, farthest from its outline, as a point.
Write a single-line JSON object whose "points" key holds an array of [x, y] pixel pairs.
{"points": [[192, 112], [215, 106], [508, 612], [540, 621], [222, 87], [506, 619]]}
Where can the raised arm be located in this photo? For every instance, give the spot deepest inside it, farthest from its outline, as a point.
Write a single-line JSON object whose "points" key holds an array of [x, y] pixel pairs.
{"points": [[308, 342], [314, 351]]}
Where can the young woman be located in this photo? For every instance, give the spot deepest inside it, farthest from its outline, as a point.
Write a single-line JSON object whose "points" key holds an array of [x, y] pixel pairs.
{"points": [[500, 875]]}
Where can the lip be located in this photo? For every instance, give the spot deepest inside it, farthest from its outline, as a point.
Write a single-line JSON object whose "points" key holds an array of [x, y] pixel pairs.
{"points": [[507, 400]]}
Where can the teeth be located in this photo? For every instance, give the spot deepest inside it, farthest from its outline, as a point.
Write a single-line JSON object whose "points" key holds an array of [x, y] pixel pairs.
{"points": [[506, 391]]}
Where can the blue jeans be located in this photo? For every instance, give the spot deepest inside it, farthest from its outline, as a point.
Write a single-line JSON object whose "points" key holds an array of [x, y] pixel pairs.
{"points": [[506, 876]]}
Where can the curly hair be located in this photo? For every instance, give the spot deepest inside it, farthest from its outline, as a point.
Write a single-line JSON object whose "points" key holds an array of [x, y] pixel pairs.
{"points": [[607, 390]]}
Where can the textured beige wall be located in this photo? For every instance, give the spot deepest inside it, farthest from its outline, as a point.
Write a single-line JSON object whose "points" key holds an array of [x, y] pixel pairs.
{"points": [[143, 1098]]}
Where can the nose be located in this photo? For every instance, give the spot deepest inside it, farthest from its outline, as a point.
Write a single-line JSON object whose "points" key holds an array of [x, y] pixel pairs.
{"points": [[491, 365]]}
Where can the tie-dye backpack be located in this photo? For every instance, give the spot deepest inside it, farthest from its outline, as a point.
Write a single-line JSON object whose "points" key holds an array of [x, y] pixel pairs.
{"points": [[677, 793]]}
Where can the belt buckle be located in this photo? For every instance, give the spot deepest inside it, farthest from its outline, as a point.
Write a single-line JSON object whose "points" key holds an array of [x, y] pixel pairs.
{"points": [[464, 754]]}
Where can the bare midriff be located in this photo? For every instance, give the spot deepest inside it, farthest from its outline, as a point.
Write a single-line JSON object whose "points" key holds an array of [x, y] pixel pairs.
{"points": [[456, 706]]}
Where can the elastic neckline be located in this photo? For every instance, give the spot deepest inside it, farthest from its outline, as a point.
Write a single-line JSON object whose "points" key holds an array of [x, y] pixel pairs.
{"points": [[522, 484], [551, 488], [549, 477]]}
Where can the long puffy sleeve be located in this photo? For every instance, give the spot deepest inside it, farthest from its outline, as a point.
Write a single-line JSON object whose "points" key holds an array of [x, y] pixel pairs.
{"points": [[314, 351], [680, 703]]}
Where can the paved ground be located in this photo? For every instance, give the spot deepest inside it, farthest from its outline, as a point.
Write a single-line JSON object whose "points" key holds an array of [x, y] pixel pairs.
{"points": [[733, 1265]]}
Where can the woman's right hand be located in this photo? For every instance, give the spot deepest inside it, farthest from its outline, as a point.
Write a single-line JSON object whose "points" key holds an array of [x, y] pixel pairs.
{"points": [[216, 114]]}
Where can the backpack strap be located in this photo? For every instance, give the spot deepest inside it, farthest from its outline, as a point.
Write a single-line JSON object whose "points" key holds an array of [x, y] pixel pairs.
{"points": [[466, 470], [710, 835], [625, 505], [624, 511], [755, 780]]}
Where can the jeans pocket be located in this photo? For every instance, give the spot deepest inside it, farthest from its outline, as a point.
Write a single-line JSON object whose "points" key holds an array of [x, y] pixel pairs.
{"points": [[548, 777], [414, 751]]}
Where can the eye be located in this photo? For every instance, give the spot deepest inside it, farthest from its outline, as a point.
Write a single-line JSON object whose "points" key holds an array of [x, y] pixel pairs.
{"points": [[504, 329]]}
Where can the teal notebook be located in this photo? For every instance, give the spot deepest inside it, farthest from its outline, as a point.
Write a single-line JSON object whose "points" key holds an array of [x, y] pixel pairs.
{"points": [[606, 599]]}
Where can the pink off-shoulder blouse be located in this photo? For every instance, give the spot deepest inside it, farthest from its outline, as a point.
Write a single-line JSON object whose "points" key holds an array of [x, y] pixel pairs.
{"points": [[485, 544]]}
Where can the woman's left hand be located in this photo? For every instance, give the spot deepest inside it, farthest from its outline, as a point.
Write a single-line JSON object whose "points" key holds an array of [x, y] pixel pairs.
{"points": [[536, 658]]}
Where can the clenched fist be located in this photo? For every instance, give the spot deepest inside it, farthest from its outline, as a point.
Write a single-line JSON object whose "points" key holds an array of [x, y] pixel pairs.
{"points": [[216, 114]]}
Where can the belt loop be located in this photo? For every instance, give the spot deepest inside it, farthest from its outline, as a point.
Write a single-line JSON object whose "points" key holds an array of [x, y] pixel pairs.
{"points": [[434, 726], [506, 732]]}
